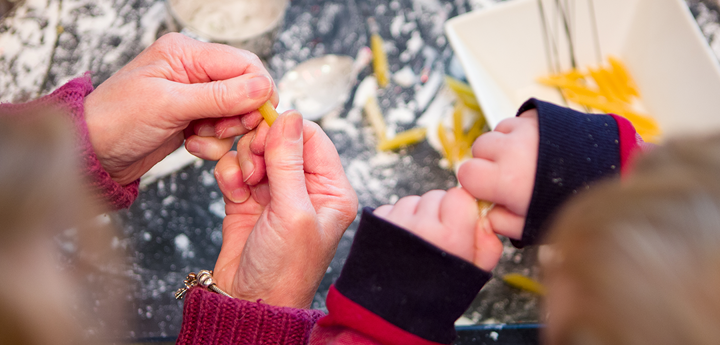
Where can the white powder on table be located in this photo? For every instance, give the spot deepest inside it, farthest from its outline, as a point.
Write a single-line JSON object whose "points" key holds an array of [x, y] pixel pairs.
{"points": [[229, 19]]}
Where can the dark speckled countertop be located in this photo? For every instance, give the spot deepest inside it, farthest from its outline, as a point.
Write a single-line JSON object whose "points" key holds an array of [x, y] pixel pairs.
{"points": [[175, 225]]}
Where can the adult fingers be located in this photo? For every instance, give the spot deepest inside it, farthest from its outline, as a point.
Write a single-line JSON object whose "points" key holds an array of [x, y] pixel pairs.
{"points": [[261, 192], [506, 223], [211, 61], [257, 146], [220, 98], [458, 210], [488, 247], [480, 178], [208, 148], [284, 165], [251, 165], [489, 146], [321, 156], [237, 125], [229, 177]]}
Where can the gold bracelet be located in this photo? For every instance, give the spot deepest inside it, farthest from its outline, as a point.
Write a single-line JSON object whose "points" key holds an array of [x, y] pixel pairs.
{"points": [[204, 278]]}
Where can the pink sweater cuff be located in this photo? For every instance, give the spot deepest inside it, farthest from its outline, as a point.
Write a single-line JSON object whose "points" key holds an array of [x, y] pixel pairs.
{"points": [[70, 99], [210, 318]]}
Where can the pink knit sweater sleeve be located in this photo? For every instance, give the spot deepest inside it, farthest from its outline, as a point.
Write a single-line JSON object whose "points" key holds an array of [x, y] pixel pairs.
{"points": [[210, 318], [69, 99]]}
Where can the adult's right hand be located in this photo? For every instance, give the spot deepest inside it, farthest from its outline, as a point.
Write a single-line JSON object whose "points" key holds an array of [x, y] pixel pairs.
{"points": [[288, 203]]}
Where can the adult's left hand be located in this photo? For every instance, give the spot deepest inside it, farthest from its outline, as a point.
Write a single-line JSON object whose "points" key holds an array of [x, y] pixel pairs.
{"points": [[178, 88]]}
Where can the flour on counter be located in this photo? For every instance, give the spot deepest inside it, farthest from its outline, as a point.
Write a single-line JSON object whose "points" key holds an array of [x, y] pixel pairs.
{"points": [[172, 163], [217, 208], [405, 77]]}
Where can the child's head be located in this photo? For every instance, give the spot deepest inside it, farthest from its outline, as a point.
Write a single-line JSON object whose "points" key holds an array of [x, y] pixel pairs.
{"points": [[638, 262], [43, 207]]}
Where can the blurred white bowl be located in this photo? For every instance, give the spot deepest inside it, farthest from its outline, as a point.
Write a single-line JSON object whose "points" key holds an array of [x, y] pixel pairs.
{"points": [[503, 52]]}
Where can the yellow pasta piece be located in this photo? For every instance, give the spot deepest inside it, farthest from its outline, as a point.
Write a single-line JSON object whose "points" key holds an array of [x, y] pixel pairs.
{"points": [[268, 112], [603, 83], [622, 75], [406, 138], [447, 145], [380, 63], [375, 117], [524, 283], [458, 130], [464, 93], [469, 138], [484, 207]]}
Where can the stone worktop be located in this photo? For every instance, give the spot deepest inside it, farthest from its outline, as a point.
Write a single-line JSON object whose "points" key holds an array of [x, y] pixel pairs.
{"points": [[175, 225]]}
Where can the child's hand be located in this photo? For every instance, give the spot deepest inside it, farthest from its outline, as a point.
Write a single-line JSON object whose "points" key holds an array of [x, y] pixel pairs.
{"points": [[448, 220], [503, 172]]}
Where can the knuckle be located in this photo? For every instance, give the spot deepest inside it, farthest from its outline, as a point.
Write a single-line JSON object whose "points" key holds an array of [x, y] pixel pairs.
{"points": [[221, 97]]}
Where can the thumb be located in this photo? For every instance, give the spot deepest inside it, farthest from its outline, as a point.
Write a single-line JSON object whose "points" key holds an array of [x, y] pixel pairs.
{"points": [[284, 164], [488, 247], [221, 98]]}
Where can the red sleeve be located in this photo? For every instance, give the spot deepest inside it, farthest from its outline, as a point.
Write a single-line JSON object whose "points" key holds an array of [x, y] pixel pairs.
{"points": [[350, 323], [396, 288], [630, 143], [70, 100]]}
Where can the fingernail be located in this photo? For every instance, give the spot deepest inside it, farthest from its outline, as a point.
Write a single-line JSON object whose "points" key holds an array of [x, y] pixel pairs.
{"points": [[193, 146], [245, 122], [259, 87], [240, 195], [206, 131], [248, 169], [292, 127], [232, 132]]}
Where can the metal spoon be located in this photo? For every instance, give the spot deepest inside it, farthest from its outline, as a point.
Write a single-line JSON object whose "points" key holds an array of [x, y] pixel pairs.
{"points": [[320, 85]]}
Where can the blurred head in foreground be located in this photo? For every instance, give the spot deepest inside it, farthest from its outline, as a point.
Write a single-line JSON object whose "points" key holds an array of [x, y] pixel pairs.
{"points": [[638, 262], [50, 240]]}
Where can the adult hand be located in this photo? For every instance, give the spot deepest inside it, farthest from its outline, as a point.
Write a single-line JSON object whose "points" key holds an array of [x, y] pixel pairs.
{"points": [[177, 88], [502, 171], [288, 202], [450, 221]]}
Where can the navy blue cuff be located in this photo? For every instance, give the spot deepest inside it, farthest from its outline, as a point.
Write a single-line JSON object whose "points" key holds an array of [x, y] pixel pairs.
{"points": [[576, 150], [408, 281]]}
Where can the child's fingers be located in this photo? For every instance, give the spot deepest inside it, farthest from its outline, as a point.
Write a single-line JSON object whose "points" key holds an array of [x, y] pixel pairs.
{"points": [[506, 223], [383, 211], [251, 165], [429, 206], [229, 177], [508, 125], [458, 210], [489, 146], [404, 211], [488, 247], [480, 178]]}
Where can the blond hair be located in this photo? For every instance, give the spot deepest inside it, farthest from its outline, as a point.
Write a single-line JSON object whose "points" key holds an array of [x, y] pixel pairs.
{"points": [[638, 262], [43, 199]]}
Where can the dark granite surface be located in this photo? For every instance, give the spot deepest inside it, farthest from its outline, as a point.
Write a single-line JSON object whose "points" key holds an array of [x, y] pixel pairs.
{"points": [[175, 225]]}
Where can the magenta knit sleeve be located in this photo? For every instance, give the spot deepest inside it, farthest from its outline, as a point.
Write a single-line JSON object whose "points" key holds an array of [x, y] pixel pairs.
{"points": [[70, 100], [210, 318]]}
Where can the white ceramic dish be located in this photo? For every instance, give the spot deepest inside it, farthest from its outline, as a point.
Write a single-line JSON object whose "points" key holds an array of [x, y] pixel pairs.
{"points": [[503, 52]]}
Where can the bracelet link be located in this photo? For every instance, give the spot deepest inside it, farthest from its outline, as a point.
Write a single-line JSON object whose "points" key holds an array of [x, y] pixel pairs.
{"points": [[203, 278]]}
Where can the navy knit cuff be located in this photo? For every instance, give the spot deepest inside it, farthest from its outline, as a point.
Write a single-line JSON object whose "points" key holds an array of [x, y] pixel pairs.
{"points": [[408, 281], [576, 150]]}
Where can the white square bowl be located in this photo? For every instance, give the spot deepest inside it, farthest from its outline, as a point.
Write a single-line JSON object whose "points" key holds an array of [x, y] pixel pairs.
{"points": [[503, 53]]}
